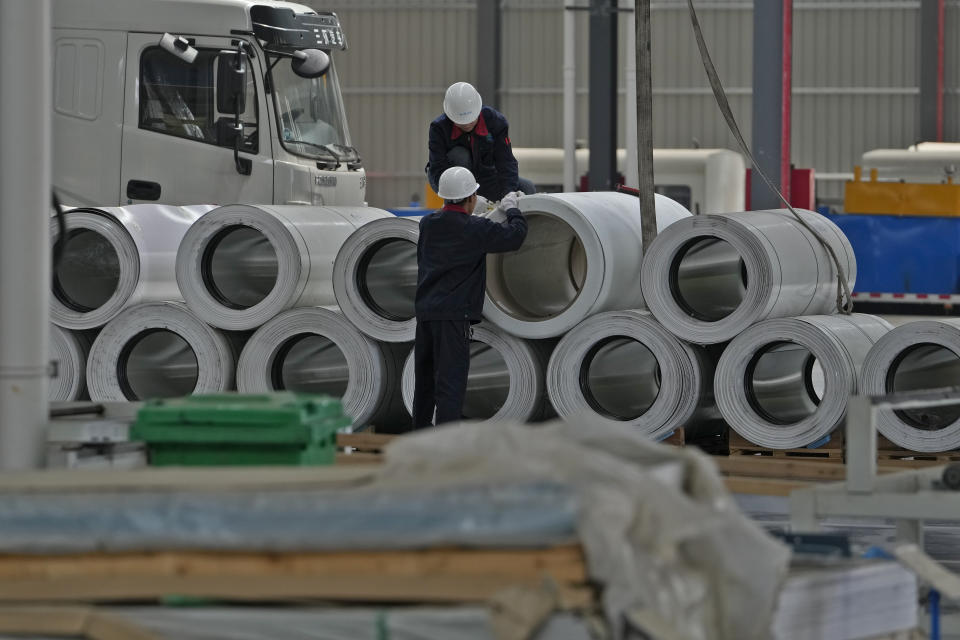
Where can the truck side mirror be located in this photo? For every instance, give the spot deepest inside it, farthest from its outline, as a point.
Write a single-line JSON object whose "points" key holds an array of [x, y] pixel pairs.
{"points": [[310, 63], [231, 82]]}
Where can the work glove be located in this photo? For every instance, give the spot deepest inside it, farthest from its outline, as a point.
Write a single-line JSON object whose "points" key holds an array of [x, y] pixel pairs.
{"points": [[482, 207], [510, 201]]}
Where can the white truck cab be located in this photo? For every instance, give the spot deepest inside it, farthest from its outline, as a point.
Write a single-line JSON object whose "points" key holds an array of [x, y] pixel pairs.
{"points": [[200, 101]]}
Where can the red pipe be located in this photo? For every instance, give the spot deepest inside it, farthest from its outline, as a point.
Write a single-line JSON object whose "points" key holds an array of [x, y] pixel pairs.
{"points": [[940, 54], [786, 96]]}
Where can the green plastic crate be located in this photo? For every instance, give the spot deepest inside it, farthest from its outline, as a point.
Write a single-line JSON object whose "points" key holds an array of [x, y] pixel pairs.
{"points": [[282, 428]]}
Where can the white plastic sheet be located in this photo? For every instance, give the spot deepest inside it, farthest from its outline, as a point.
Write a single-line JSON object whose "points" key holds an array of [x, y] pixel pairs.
{"points": [[690, 555]]}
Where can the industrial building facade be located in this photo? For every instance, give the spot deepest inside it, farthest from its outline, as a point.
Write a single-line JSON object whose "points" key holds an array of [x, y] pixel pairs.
{"points": [[856, 78]]}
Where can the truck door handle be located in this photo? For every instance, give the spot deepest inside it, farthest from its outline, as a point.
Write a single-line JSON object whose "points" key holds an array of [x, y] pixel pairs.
{"points": [[143, 190]]}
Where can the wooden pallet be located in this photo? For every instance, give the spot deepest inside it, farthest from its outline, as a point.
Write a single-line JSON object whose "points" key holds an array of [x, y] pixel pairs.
{"points": [[890, 454], [403, 576], [712, 444], [676, 439], [362, 447], [832, 451]]}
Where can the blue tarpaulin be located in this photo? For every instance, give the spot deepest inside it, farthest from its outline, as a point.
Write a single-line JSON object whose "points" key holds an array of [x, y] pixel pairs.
{"points": [[903, 254]]}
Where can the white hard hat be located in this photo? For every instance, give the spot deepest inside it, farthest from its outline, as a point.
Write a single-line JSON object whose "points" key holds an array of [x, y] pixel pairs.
{"points": [[457, 183], [462, 103]]}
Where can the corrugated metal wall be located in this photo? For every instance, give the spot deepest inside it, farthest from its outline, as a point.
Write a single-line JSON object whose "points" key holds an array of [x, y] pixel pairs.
{"points": [[855, 77], [402, 56]]}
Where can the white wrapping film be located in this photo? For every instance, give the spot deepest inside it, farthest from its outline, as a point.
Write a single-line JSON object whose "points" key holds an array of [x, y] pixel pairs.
{"points": [[240, 265], [115, 258], [623, 366], [69, 349], [158, 350], [507, 379], [707, 278], [914, 356], [375, 278], [317, 350], [581, 256], [680, 548], [784, 383]]}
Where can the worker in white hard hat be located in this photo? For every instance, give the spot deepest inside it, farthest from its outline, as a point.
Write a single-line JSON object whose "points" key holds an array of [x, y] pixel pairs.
{"points": [[477, 138], [451, 279]]}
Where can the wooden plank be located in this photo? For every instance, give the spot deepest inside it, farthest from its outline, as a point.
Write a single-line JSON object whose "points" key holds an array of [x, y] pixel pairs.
{"points": [[789, 468], [830, 452], [359, 457], [365, 441], [899, 464], [186, 478], [763, 486], [565, 563], [397, 576], [677, 438], [782, 468]]}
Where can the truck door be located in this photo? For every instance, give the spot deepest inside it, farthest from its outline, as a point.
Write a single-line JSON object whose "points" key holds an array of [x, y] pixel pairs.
{"points": [[177, 147]]}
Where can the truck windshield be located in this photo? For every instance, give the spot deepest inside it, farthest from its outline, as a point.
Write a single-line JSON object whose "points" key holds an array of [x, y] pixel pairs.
{"points": [[311, 111]]}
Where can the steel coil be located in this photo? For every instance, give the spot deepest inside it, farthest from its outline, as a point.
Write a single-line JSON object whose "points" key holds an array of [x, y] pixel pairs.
{"points": [[581, 256], [375, 278], [784, 383], [318, 350], [159, 350], [115, 258], [240, 265], [915, 356], [69, 349], [623, 366], [707, 278], [507, 379]]}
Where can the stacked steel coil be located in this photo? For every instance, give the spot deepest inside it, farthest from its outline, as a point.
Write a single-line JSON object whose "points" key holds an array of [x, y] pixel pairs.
{"points": [[914, 356], [321, 299]]}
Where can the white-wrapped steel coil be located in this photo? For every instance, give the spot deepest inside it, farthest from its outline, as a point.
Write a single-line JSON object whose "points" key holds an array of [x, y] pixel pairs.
{"points": [[707, 278], [240, 265], [318, 350], [507, 379], [159, 350], [581, 256], [375, 278], [69, 349], [784, 383], [625, 367], [915, 356], [115, 258]]}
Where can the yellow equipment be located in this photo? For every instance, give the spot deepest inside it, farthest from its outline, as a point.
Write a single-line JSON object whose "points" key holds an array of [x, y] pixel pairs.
{"points": [[901, 198]]}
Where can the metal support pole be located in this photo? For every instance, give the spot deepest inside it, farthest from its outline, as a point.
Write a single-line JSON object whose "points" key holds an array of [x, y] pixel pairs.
{"points": [[803, 511], [631, 171], [861, 445], [25, 107], [648, 218], [603, 95], [488, 51], [569, 100], [772, 39], [931, 69]]}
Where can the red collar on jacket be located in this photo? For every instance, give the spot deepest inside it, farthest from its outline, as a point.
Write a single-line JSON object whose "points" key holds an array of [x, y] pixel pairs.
{"points": [[480, 129], [454, 207]]}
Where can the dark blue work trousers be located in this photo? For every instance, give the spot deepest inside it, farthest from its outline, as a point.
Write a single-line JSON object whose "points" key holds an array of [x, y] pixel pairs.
{"points": [[441, 363], [460, 157]]}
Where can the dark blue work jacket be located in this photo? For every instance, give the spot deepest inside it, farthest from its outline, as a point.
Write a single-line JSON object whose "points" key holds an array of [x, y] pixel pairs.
{"points": [[494, 166], [451, 260]]}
